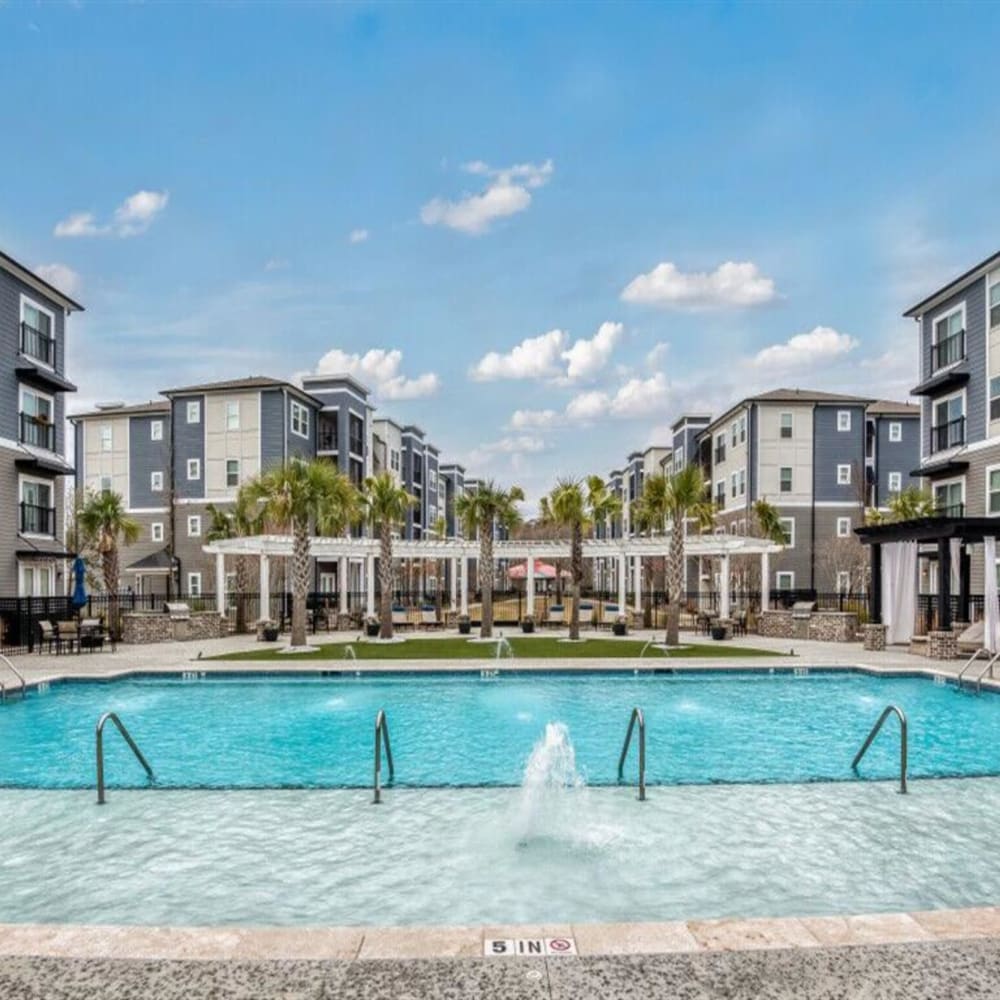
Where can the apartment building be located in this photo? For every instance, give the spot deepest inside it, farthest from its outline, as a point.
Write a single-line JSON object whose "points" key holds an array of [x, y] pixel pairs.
{"points": [[33, 384], [892, 439], [451, 482], [344, 424], [687, 444], [388, 451]]}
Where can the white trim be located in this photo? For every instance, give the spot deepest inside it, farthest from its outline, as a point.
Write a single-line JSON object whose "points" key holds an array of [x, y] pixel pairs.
{"points": [[843, 474], [896, 425], [25, 477], [790, 544], [888, 482], [196, 403], [197, 466], [152, 531], [194, 589], [194, 522], [148, 510], [52, 330], [153, 488], [154, 423], [934, 341], [986, 486], [292, 404], [190, 500], [841, 522], [843, 413], [778, 574]]}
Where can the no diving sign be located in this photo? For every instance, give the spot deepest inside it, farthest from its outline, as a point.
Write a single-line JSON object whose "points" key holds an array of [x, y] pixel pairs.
{"points": [[528, 947]]}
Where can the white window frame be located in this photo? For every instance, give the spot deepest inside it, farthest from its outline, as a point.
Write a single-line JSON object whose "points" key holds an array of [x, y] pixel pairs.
{"points": [[843, 475], [156, 531], [791, 479], [843, 527], [156, 430], [28, 300], [195, 465], [110, 488], [789, 574], [733, 484], [193, 411], [743, 429], [25, 390], [107, 441], [233, 486], [734, 433], [896, 477], [194, 584], [843, 421], [960, 480], [194, 526], [299, 414], [722, 483], [895, 431], [843, 581], [156, 481], [781, 426], [988, 471], [37, 569], [790, 523], [232, 415], [38, 481], [742, 474], [941, 317]]}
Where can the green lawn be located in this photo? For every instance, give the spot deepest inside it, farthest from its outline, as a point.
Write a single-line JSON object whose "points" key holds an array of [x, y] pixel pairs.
{"points": [[543, 647]]}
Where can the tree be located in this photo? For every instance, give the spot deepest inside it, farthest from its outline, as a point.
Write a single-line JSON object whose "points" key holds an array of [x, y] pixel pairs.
{"points": [[305, 497], [103, 524], [767, 522], [907, 505], [243, 518], [439, 529], [578, 505], [385, 504], [481, 511]]}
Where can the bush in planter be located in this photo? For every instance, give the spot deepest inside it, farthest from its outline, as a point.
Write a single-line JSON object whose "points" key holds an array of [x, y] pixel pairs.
{"points": [[620, 625], [372, 627], [464, 625], [528, 624], [719, 631]]}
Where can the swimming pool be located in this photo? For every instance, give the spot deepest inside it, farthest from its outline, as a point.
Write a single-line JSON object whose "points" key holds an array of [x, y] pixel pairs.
{"points": [[448, 730]]}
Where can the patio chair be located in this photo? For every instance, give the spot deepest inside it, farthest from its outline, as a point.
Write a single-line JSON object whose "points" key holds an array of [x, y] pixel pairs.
{"points": [[429, 616], [48, 637], [69, 634], [586, 613], [400, 617], [92, 634], [556, 615], [609, 615]]}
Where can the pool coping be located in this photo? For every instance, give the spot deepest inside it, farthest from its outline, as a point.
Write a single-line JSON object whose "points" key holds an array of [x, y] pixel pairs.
{"points": [[81, 941]]}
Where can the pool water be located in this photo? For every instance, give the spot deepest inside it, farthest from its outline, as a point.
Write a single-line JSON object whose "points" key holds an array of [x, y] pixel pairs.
{"points": [[467, 730]]}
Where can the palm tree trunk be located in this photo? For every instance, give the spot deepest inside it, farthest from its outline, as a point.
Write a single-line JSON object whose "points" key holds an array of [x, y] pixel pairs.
{"points": [[675, 578], [486, 579], [109, 567], [576, 568], [242, 586], [300, 581], [385, 581]]}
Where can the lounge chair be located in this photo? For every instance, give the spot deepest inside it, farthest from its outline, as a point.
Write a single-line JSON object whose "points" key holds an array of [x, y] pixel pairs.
{"points": [[400, 617], [556, 615], [429, 616], [609, 615], [586, 613]]}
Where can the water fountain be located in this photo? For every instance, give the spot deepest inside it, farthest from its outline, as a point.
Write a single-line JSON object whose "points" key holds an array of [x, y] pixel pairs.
{"points": [[550, 778], [504, 649], [349, 653]]}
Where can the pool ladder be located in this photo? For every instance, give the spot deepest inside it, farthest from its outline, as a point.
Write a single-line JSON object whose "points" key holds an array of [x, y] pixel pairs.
{"points": [[3, 687], [636, 719], [898, 712], [988, 669], [111, 717], [381, 737]]}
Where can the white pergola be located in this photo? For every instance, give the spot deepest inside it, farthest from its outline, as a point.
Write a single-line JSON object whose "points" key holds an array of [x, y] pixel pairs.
{"points": [[459, 552]]}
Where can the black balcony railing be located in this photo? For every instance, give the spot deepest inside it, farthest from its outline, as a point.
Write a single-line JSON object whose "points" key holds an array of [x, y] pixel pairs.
{"points": [[950, 510], [37, 520], [38, 433], [948, 351], [327, 438], [949, 435], [38, 345]]}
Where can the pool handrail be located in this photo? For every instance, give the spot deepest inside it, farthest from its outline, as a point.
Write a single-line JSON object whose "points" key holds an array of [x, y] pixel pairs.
{"points": [[968, 664], [636, 716], [17, 673], [988, 669], [133, 746], [887, 711], [381, 736]]}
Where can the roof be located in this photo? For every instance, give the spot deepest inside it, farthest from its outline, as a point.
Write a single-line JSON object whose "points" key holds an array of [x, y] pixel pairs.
{"points": [[790, 396], [888, 407], [29, 277], [125, 410], [337, 377], [250, 382], [691, 418], [955, 285], [155, 560], [449, 466]]}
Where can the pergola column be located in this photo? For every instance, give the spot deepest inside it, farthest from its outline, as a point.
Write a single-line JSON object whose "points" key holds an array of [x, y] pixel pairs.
{"points": [[964, 584], [464, 562], [765, 581], [622, 583], [637, 583], [342, 585], [370, 586], [453, 582], [264, 611], [724, 585], [531, 585], [875, 597], [944, 584], [220, 582]]}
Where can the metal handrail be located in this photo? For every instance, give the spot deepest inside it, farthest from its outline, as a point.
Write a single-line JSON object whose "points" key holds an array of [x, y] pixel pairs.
{"points": [[968, 665], [17, 673], [381, 736], [898, 712], [987, 669], [636, 716], [112, 717]]}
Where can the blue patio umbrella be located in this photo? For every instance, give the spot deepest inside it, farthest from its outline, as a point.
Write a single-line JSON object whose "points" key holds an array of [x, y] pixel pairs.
{"points": [[79, 583]]}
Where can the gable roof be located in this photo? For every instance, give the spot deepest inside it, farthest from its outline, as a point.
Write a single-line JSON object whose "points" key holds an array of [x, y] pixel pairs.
{"points": [[788, 396], [29, 277], [890, 408], [236, 384], [125, 410]]}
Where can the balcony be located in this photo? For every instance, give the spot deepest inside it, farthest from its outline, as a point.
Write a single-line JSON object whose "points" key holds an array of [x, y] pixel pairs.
{"points": [[327, 438], [950, 510], [949, 435], [948, 351], [37, 433], [38, 345], [37, 520]]}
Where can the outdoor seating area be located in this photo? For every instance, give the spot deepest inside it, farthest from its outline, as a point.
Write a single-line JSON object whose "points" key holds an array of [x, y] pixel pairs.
{"points": [[72, 636]]}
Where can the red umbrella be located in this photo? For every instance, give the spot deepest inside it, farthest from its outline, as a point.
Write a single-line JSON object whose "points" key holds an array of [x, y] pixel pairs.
{"points": [[543, 571]]}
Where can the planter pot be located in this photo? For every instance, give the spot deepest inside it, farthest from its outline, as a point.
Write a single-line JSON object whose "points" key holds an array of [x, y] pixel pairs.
{"points": [[527, 627], [372, 630], [719, 632], [464, 628], [270, 635], [619, 628]]}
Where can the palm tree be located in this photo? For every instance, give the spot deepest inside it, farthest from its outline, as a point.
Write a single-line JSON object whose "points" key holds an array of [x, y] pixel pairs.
{"points": [[907, 505], [577, 505], [768, 522], [385, 504], [305, 497], [481, 511], [682, 496], [439, 529], [243, 518], [103, 523]]}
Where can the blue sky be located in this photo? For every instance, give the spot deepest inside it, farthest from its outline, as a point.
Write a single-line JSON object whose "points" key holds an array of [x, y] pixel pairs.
{"points": [[771, 184]]}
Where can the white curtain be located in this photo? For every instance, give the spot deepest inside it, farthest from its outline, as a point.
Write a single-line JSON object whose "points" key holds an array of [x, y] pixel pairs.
{"points": [[899, 590], [991, 614], [956, 565]]}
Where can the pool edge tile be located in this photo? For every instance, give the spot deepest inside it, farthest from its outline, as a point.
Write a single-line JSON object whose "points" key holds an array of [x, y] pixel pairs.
{"points": [[867, 928], [755, 934], [639, 938], [420, 942]]}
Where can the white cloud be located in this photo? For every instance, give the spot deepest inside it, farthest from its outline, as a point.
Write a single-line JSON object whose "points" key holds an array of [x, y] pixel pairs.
{"points": [[64, 278], [731, 284], [639, 397], [507, 192], [528, 419], [821, 344], [587, 407], [587, 357], [133, 216], [534, 357], [657, 354], [358, 236], [276, 264], [521, 444], [379, 369]]}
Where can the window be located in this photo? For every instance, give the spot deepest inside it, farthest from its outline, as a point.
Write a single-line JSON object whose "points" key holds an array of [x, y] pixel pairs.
{"points": [[105, 437], [156, 482], [679, 459], [743, 429], [948, 430], [720, 494], [843, 475], [948, 340], [732, 483], [843, 581], [785, 475], [788, 529], [300, 419], [432, 479], [356, 434], [993, 491], [194, 468], [949, 498], [733, 528], [194, 411], [995, 396], [194, 526], [156, 430], [995, 305], [895, 431], [156, 531], [37, 427], [232, 415], [394, 460], [786, 425], [843, 420], [895, 482], [38, 516], [784, 580], [194, 584], [743, 482], [843, 527], [232, 472], [105, 484], [37, 336]]}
